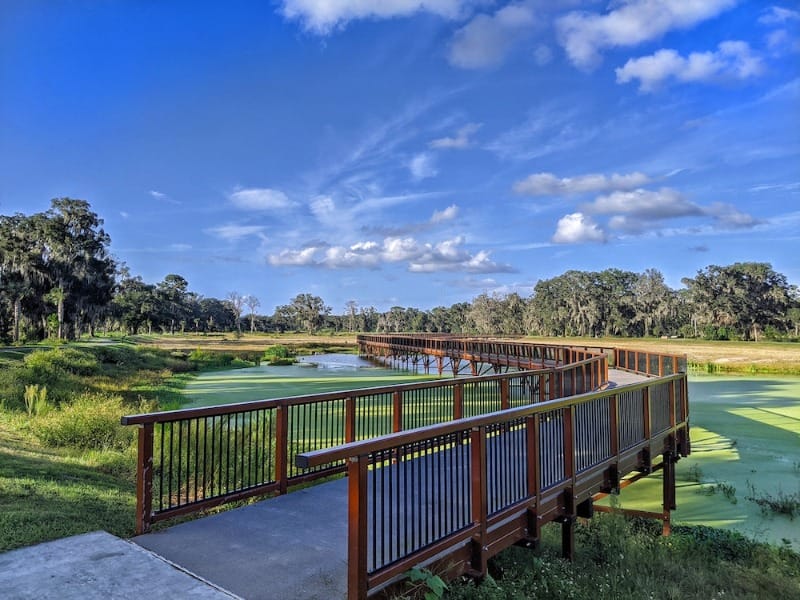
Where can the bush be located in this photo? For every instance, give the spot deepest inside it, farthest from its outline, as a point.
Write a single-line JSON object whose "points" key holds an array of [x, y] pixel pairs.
{"points": [[91, 421], [278, 355], [53, 363]]}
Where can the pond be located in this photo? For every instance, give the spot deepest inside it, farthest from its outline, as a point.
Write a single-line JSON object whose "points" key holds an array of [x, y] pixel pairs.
{"points": [[745, 437], [313, 374], [745, 434]]}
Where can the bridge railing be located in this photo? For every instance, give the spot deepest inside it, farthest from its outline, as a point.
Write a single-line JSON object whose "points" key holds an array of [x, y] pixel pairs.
{"points": [[462, 491], [648, 363], [194, 459]]}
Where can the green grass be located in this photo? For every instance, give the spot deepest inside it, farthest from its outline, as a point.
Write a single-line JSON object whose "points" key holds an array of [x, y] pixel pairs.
{"points": [[617, 559], [48, 494]]}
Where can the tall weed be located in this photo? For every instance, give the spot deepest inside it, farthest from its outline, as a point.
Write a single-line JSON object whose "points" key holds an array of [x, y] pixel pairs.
{"points": [[91, 421]]}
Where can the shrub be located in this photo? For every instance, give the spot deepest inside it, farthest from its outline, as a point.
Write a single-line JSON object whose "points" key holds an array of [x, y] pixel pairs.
{"points": [[91, 421], [53, 363], [278, 355]]}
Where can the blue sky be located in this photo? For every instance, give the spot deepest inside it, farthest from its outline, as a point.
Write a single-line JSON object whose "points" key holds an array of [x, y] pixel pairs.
{"points": [[412, 152]]}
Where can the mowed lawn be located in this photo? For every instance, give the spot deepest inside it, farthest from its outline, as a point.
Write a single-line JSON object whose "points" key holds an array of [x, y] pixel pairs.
{"points": [[745, 444]]}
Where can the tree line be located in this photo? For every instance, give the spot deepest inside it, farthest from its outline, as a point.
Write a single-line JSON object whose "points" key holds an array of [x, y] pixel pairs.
{"points": [[58, 280]]}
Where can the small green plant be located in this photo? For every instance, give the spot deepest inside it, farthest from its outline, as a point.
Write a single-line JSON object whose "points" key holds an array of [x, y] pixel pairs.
{"points": [[36, 400], [422, 581], [726, 489], [781, 503], [694, 473]]}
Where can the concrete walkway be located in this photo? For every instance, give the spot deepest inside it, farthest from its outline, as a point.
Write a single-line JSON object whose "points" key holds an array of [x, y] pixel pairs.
{"points": [[96, 566], [291, 546]]}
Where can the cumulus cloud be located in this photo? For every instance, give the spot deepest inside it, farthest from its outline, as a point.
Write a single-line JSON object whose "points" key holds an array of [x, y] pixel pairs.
{"points": [[258, 199], [422, 166], [460, 140], [447, 255], [585, 35], [577, 228], [232, 232], [448, 214], [548, 184], [323, 16], [295, 258], [485, 41], [728, 216], [733, 60]]}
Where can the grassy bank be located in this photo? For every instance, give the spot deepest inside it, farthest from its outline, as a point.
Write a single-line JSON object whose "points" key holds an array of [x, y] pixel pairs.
{"points": [[617, 558], [66, 464]]}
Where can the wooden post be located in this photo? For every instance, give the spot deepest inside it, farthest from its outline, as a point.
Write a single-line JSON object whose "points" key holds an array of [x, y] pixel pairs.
{"points": [[350, 419], [479, 499], [458, 401], [357, 527], [397, 411], [144, 479], [282, 448], [504, 401]]}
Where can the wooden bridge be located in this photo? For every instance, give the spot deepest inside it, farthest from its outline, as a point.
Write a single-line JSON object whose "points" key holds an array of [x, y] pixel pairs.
{"points": [[449, 471]]}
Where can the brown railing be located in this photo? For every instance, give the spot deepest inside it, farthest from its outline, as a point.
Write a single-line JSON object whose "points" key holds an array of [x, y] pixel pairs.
{"points": [[460, 492], [193, 459], [648, 363], [474, 351]]}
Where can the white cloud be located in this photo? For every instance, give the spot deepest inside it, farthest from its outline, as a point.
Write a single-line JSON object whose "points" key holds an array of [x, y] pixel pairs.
{"points": [[124, 215], [233, 232], [460, 140], [577, 228], [294, 258], [323, 16], [450, 256], [181, 247], [733, 60], [730, 217], [259, 199], [162, 197], [448, 214], [777, 15], [447, 255], [585, 35], [547, 184], [665, 203], [422, 166], [485, 41]]}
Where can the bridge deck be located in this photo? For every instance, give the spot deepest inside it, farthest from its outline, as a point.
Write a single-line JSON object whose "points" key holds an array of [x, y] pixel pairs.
{"points": [[291, 546]]}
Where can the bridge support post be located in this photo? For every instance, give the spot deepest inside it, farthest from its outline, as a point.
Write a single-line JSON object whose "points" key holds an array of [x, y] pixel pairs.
{"points": [[568, 538], [668, 492]]}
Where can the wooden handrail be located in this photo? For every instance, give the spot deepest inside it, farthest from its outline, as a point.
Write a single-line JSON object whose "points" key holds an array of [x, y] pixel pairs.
{"points": [[308, 460]]}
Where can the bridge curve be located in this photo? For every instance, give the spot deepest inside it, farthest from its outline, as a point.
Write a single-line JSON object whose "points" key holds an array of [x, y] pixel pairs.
{"points": [[524, 447]]}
